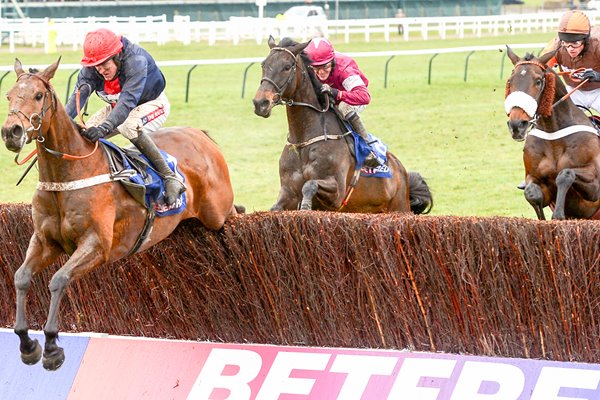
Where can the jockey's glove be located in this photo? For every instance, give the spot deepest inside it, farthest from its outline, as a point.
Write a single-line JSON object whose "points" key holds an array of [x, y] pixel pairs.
{"points": [[93, 133], [590, 75], [325, 88]]}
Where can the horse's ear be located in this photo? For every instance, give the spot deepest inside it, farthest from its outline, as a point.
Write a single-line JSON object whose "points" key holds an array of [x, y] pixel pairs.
{"points": [[271, 42], [511, 54], [18, 67], [48, 73], [548, 56], [297, 49]]}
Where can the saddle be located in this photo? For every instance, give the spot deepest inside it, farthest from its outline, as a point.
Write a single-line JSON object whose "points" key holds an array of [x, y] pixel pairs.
{"points": [[140, 179]]}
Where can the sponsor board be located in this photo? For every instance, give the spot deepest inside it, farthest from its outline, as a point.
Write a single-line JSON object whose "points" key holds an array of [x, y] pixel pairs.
{"points": [[102, 366]]}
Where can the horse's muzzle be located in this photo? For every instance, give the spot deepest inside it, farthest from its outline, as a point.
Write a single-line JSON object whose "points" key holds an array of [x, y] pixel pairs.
{"points": [[262, 107], [518, 129], [13, 137]]}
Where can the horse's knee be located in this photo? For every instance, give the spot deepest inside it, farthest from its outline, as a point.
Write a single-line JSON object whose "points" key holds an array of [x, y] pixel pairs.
{"points": [[309, 189], [566, 177], [22, 278], [533, 193], [59, 281]]}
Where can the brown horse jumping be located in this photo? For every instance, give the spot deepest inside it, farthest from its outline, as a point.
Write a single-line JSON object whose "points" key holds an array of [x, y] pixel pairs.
{"points": [[316, 166], [94, 223], [562, 147]]}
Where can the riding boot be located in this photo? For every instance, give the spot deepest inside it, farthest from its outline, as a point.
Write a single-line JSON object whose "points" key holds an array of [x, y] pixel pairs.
{"points": [[358, 126], [173, 184]]}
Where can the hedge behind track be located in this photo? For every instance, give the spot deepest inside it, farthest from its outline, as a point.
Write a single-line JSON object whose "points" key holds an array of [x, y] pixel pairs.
{"points": [[487, 286]]}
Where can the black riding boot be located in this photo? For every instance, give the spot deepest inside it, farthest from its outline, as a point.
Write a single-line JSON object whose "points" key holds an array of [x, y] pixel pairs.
{"points": [[359, 127], [173, 185]]}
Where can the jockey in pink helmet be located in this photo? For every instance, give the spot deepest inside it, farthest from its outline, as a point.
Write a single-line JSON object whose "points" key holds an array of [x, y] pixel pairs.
{"points": [[345, 82], [127, 78]]}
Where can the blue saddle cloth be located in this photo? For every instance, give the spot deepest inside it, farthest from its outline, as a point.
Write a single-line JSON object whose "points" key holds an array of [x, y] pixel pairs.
{"points": [[148, 178], [362, 149]]}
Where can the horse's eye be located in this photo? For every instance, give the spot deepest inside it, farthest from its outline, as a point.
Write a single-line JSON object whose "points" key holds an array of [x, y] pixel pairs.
{"points": [[39, 96], [288, 67], [538, 82]]}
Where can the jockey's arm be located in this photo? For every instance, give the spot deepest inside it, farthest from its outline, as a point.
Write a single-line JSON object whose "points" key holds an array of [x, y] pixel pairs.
{"points": [[354, 92], [131, 92]]}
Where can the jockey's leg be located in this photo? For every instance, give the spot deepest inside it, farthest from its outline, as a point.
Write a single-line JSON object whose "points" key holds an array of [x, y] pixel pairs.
{"points": [[350, 113], [142, 120], [173, 185], [359, 127]]}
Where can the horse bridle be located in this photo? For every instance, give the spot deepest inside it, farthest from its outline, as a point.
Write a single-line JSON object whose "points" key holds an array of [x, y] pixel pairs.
{"points": [[39, 116], [535, 117], [279, 99], [38, 129]]}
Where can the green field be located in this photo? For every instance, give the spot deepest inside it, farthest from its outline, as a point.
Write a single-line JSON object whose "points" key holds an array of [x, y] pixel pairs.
{"points": [[451, 131]]}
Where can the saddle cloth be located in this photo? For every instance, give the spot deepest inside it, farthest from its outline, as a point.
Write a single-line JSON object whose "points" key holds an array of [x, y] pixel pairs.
{"points": [[142, 181], [362, 149]]}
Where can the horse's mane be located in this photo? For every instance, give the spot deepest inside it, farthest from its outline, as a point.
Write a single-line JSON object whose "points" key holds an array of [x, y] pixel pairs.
{"points": [[306, 61]]}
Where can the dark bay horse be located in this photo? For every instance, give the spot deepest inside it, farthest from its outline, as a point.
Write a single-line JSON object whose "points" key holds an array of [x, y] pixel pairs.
{"points": [[93, 223], [562, 147], [316, 165]]}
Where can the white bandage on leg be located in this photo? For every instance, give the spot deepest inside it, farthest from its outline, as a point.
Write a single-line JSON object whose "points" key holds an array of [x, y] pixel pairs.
{"points": [[521, 100]]}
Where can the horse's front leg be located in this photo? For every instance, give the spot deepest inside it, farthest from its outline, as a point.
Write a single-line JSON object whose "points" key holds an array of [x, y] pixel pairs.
{"points": [[564, 181], [535, 197], [327, 190], [37, 258], [84, 259]]}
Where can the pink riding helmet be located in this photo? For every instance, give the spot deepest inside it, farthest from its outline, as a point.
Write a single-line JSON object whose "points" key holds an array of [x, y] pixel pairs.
{"points": [[320, 51]]}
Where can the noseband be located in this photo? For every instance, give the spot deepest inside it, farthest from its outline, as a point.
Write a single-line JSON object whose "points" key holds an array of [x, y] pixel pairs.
{"points": [[36, 116]]}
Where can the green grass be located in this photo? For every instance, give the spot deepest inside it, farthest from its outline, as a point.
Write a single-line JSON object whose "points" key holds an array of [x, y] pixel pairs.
{"points": [[452, 132]]}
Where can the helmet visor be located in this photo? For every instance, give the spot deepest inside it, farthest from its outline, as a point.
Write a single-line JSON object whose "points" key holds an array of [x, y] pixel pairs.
{"points": [[571, 37]]}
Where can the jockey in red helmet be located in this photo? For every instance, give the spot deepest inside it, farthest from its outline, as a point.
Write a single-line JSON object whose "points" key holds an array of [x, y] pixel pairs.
{"points": [[126, 77], [344, 81]]}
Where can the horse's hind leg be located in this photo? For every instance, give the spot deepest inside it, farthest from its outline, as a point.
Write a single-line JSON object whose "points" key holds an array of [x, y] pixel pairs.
{"points": [[535, 197], [35, 261], [564, 181]]}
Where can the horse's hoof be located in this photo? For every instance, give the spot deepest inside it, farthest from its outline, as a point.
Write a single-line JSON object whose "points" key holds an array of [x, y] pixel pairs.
{"points": [[34, 356], [54, 361]]}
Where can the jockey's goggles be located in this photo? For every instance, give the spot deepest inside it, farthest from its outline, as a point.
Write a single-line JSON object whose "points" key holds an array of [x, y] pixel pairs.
{"points": [[320, 67], [572, 45]]}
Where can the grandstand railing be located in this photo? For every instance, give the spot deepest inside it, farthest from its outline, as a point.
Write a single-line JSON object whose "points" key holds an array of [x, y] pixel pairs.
{"points": [[71, 31]]}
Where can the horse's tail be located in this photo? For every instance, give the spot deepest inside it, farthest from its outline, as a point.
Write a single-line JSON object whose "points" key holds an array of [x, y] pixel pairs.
{"points": [[421, 200]]}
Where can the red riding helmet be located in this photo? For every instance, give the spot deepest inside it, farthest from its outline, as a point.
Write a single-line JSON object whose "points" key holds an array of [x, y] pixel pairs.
{"points": [[320, 51], [573, 26], [99, 46]]}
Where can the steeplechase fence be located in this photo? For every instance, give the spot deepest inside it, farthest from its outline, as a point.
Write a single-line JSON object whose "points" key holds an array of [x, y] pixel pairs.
{"points": [[505, 287]]}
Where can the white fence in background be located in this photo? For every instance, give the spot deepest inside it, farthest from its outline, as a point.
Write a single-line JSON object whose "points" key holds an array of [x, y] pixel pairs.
{"points": [[71, 31]]}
